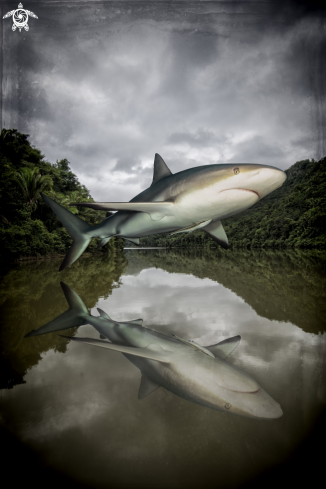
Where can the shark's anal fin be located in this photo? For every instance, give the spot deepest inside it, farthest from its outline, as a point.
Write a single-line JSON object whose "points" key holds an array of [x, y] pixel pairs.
{"points": [[104, 315], [192, 227], [139, 321], [161, 169], [225, 347], [147, 386], [133, 240], [151, 352], [104, 241], [216, 231]]}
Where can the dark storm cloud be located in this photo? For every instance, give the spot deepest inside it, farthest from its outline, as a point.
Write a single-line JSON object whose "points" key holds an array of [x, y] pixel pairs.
{"points": [[256, 150], [203, 137], [107, 85]]}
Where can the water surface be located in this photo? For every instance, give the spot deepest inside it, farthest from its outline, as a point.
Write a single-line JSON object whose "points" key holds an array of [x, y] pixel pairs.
{"points": [[77, 406]]}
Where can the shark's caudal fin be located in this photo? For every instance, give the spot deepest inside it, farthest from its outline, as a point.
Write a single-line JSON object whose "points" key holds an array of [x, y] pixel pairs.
{"points": [[77, 315], [79, 230]]}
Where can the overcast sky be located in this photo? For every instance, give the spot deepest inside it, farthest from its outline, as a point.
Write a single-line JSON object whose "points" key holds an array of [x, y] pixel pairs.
{"points": [[108, 84]]}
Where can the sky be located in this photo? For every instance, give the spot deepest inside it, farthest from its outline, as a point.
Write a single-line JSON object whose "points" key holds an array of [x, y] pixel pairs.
{"points": [[109, 84]]}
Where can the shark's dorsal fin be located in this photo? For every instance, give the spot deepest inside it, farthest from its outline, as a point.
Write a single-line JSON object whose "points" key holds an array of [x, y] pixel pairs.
{"points": [[147, 386], [161, 169], [103, 314], [225, 347]]}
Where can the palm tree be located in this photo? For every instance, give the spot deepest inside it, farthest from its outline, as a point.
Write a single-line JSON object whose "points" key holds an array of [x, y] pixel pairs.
{"points": [[32, 183]]}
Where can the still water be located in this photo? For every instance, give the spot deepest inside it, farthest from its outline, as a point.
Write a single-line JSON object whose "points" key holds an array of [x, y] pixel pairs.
{"points": [[77, 405]]}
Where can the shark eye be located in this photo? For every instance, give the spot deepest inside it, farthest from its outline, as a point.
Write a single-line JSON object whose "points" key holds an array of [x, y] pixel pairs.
{"points": [[236, 171]]}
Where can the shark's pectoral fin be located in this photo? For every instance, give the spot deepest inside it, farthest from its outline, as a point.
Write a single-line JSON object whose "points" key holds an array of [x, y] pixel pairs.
{"points": [[225, 347], [147, 386], [192, 227], [216, 231], [152, 352], [156, 210]]}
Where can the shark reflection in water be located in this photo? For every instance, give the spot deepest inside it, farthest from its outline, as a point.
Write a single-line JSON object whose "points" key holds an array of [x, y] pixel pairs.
{"points": [[197, 198], [198, 374]]}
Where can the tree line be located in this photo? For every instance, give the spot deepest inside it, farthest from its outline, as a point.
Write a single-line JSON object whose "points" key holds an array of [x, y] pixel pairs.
{"points": [[28, 227]]}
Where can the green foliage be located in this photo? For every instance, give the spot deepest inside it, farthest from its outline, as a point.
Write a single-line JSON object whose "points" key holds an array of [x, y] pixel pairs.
{"points": [[294, 216], [28, 227], [32, 183]]}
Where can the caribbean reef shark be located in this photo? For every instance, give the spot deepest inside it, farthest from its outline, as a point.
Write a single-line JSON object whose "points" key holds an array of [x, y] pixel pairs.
{"points": [[197, 198], [193, 372]]}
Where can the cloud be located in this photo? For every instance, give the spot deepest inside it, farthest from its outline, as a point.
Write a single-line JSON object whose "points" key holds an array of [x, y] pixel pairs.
{"points": [[256, 150], [197, 87], [203, 137], [125, 164]]}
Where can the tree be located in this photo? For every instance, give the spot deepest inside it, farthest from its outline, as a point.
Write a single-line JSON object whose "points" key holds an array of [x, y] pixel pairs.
{"points": [[32, 183]]}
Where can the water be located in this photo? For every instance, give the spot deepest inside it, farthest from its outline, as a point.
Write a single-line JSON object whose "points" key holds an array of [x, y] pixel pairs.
{"points": [[77, 407]]}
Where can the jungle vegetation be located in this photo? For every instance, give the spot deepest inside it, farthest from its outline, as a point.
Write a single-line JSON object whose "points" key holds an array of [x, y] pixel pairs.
{"points": [[28, 227], [293, 216]]}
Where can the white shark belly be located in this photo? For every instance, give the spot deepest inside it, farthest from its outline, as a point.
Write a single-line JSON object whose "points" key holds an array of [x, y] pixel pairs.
{"points": [[210, 203]]}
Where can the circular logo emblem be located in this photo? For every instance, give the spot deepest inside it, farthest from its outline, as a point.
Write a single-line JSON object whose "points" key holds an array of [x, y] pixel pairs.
{"points": [[20, 18]]}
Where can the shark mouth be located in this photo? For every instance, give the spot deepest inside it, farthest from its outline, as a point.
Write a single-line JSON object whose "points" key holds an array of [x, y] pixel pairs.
{"points": [[245, 190]]}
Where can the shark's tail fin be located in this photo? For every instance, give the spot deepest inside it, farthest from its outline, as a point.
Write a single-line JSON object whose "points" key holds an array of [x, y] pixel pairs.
{"points": [[79, 230], [76, 315]]}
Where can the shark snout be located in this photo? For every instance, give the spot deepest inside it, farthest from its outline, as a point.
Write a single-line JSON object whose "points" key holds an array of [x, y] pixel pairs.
{"points": [[267, 179]]}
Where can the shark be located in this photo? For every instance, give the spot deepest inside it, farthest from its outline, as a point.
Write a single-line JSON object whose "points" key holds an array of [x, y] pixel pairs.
{"points": [[192, 199], [200, 374]]}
